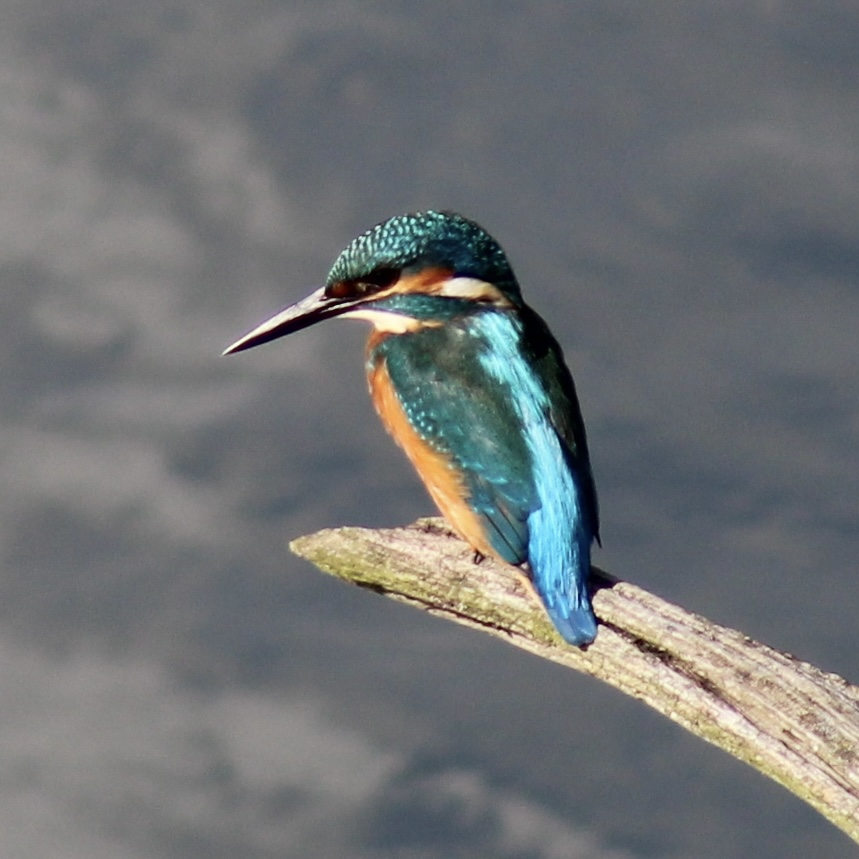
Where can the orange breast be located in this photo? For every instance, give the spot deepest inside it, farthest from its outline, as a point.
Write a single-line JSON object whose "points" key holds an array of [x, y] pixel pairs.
{"points": [[435, 469]]}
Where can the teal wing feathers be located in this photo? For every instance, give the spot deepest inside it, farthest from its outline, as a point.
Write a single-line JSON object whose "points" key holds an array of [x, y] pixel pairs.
{"points": [[493, 394], [463, 413], [564, 412]]}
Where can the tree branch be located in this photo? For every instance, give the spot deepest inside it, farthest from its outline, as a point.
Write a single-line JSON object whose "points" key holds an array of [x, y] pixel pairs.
{"points": [[794, 723]]}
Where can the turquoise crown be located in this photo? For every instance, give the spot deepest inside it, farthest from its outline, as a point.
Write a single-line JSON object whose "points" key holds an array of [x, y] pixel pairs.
{"points": [[418, 240]]}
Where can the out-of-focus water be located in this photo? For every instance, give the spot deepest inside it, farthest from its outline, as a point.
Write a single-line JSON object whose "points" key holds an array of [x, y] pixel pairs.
{"points": [[677, 189]]}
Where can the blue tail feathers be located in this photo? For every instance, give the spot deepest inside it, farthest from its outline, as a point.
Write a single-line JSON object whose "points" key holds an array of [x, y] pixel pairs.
{"points": [[577, 626], [559, 564]]}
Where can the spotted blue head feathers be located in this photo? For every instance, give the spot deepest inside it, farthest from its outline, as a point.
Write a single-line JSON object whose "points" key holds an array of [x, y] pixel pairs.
{"points": [[419, 240]]}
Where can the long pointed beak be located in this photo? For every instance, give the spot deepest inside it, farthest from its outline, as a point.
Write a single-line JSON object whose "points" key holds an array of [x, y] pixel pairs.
{"points": [[316, 307]]}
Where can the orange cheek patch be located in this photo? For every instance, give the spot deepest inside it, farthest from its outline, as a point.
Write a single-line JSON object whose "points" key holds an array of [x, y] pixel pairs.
{"points": [[428, 281], [435, 469]]}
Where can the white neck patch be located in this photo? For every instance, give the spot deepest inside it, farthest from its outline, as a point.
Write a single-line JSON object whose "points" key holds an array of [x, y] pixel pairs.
{"points": [[387, 320], [473, 289]]}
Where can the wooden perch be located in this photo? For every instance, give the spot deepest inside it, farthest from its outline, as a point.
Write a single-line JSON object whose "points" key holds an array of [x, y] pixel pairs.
{"points": [[788, 719]]}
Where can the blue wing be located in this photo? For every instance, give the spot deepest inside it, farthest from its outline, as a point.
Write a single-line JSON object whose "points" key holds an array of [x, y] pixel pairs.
{"points": [[565, 521], [463, 413], [504, 410]]}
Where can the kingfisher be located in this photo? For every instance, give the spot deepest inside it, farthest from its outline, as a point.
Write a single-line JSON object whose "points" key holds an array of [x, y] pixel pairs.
{"points": [[472, 385]]}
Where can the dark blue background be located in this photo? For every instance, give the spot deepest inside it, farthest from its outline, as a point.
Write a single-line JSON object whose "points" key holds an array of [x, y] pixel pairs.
{"points": [[677, 185]]}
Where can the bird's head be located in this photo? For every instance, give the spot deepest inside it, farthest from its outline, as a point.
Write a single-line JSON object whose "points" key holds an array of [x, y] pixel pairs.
{"points": [[411, 270]]}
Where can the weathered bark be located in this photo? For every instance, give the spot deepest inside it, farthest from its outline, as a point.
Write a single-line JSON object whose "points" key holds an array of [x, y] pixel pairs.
{"points": [[788, 719]]}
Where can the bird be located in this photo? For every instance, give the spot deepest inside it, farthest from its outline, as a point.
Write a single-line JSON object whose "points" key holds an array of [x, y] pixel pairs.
{"points": [[471, 384]]}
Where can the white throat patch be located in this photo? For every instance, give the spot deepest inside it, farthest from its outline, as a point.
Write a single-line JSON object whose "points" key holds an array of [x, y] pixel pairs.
{"points": [[387, 320]]}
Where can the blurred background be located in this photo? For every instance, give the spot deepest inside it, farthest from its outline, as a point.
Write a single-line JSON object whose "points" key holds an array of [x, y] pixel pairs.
{"points": [[677, 186]]}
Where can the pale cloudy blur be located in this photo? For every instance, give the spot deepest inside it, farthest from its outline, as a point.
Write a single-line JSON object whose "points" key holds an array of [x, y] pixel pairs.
{"points": [[677, 185]]}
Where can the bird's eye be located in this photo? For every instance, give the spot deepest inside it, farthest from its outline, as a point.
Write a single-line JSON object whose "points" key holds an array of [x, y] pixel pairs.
{"points": [[379, 278], [368, 284]]}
